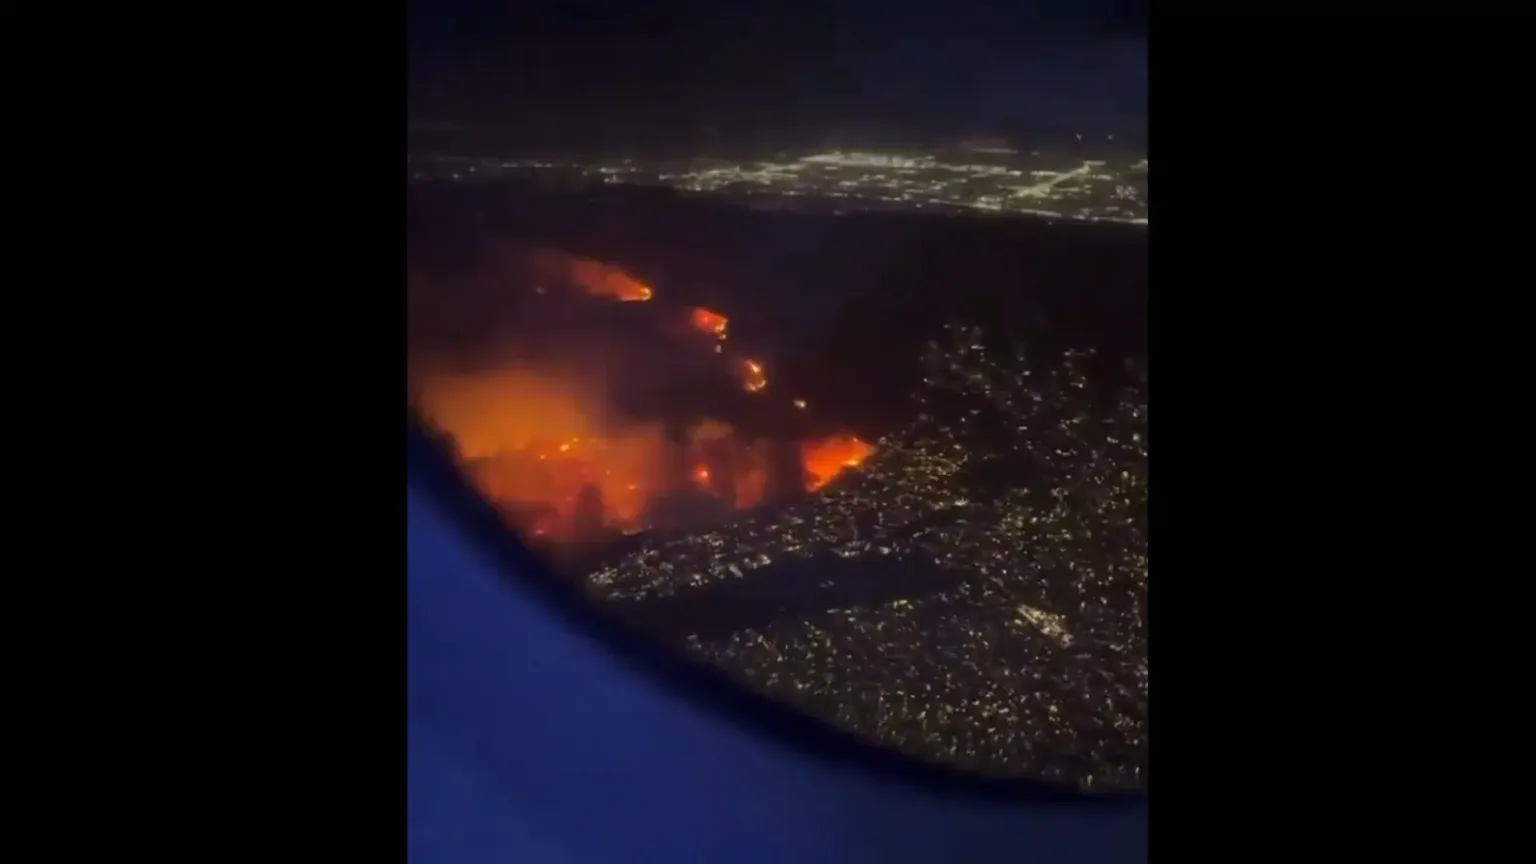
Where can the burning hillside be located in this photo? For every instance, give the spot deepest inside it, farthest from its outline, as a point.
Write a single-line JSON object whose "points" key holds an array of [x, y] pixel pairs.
{"points": [[594, 277], [545, 439], [708, 322]]}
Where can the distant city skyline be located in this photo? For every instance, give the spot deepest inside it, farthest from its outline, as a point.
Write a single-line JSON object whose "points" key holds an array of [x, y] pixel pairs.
{"points": [[993, 178]]}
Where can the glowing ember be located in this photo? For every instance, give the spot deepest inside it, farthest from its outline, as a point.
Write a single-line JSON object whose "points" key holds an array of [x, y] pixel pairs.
{"points": [[800, 403], [752, 376]]}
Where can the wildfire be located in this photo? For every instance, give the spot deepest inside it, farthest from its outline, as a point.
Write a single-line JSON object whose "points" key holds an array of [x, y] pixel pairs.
{"points": [[828, 457], [752, 376], [593, 277], [543, 447], [705, 321], [532, 444]]}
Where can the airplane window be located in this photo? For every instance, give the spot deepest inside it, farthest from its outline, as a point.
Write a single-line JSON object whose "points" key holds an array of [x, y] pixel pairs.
{"points": [[859, 418]]}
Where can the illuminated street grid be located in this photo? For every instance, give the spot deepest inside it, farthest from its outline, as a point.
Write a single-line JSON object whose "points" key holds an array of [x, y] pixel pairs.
{"points": [[994, 181], [1025, 481]]}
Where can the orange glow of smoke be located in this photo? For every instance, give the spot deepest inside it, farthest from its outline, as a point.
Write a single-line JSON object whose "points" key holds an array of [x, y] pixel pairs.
{"points": [[536, 443], [593, 277], [705, 321], [751, 484], [828, 457], [530, 442]]}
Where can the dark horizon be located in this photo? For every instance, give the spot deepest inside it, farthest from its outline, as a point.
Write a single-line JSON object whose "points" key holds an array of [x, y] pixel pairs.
{"points": [[696, 76]]}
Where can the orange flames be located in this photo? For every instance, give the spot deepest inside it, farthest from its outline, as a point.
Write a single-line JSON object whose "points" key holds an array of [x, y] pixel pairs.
{"points": [[705, 321], [530, 443], [594, 277], [536, 447], [752, 376], [826, 458], [712, 323], [543, 447]]}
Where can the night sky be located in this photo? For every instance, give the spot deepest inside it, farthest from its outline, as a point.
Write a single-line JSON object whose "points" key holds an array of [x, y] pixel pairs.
{"points": [[704, 73]]}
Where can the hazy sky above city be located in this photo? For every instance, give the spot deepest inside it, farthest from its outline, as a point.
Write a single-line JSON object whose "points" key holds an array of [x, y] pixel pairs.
{"points": [[696, 69]]}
